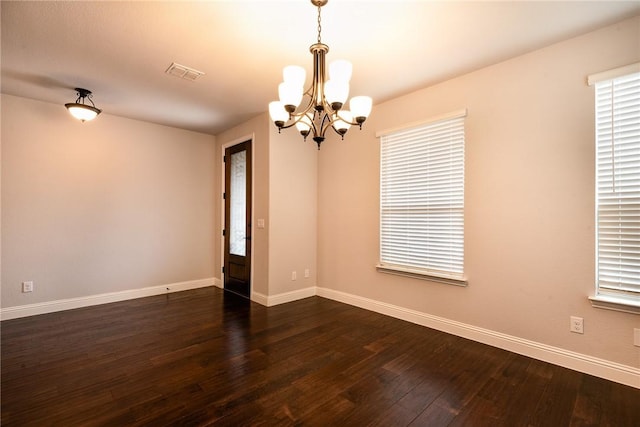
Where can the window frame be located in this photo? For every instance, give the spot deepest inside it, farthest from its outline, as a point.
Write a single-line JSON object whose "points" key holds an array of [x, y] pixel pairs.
{"points": [[441, 276], [605, 297]]}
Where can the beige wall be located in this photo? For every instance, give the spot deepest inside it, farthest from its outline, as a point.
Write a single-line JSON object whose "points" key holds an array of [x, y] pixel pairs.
{"points": [[293, 201], [285, 196], [256, 129], [529, 222], [105, 206]]}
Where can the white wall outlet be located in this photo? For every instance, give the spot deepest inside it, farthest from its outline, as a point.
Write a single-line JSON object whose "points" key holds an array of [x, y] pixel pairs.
{"points": [[306, 273], [294, 275], [576, 325], [260, 222], [636, 337], [27, 287]]}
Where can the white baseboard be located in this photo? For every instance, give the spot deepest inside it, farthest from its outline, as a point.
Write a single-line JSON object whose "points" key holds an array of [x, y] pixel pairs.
{"points": [[579, 362], [71, 303], [283, 298], [259, 298]]}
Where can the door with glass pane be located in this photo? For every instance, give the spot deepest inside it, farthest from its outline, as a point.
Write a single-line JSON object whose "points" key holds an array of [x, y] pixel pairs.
{"points": [[237, 223]]}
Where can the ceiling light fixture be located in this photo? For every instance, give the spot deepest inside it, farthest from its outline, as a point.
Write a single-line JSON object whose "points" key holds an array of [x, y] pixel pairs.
{"points": [[326, 97], [80, 110]]}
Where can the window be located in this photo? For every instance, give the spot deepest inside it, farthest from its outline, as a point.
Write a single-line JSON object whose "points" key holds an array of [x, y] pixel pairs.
{"points": [[422, 200], [617, 103]]}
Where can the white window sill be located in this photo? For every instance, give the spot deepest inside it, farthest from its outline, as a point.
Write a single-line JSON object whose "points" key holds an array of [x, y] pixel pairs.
{"points": [[422, 275], [615, 303]]}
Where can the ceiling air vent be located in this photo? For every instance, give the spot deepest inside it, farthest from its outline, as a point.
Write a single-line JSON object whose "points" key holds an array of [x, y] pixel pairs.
{"points": [[183, 72]]}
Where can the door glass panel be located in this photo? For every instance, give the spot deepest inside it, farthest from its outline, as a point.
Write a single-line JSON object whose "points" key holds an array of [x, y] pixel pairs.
{"points": [[238, 207]]}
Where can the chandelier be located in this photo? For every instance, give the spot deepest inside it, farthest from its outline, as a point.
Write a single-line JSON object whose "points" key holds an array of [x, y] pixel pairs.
{"points": [[326, 97]]}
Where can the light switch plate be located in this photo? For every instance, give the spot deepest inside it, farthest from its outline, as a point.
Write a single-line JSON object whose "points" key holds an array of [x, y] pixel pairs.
{"points": [[27, 287]]}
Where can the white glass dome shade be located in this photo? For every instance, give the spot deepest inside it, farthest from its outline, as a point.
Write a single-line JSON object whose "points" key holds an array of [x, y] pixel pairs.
{"points": [[361, 107], [290, 95], [294, 74], [336, 93], [304, 125], [340, 70], [342, 122], [277, 112]]}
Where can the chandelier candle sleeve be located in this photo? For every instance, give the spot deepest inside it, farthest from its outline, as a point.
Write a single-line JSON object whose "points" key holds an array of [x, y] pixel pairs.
{"points": [[320, 107]]}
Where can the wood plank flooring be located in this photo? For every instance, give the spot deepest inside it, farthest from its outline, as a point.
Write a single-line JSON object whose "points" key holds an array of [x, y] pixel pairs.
{"points": [[205, 358]]}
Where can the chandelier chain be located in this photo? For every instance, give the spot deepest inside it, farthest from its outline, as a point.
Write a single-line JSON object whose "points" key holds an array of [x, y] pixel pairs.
{"points": [[319, 25]]}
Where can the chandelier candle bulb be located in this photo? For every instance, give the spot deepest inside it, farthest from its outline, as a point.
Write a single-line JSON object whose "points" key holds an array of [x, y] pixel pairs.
{"points": [[325, 98]]}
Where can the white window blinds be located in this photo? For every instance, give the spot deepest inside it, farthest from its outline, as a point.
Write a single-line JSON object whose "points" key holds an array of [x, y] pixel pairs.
{"points": [[618, 186], [422, 198]]}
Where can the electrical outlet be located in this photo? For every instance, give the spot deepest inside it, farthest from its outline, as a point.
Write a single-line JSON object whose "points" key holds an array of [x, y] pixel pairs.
{"points": [[576, 325], [27, 287], [294, 275], [636, 337], [306, 273]]}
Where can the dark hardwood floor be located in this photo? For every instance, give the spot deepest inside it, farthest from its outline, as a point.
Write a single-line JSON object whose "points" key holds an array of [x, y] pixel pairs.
{"points": [[205, 358]]}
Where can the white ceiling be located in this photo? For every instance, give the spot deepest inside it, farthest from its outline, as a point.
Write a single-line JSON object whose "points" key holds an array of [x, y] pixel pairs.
{"points": [[120, 50]]}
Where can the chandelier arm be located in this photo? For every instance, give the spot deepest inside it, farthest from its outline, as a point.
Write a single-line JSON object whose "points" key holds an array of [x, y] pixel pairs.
{"points": [[326, 123], [309, 107], [309, 92], [286, 126], [295, 117], [330, 125], [314, 128], [312, 124], [298, 117], [354, 123], [341, 134], [91, 100]]}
